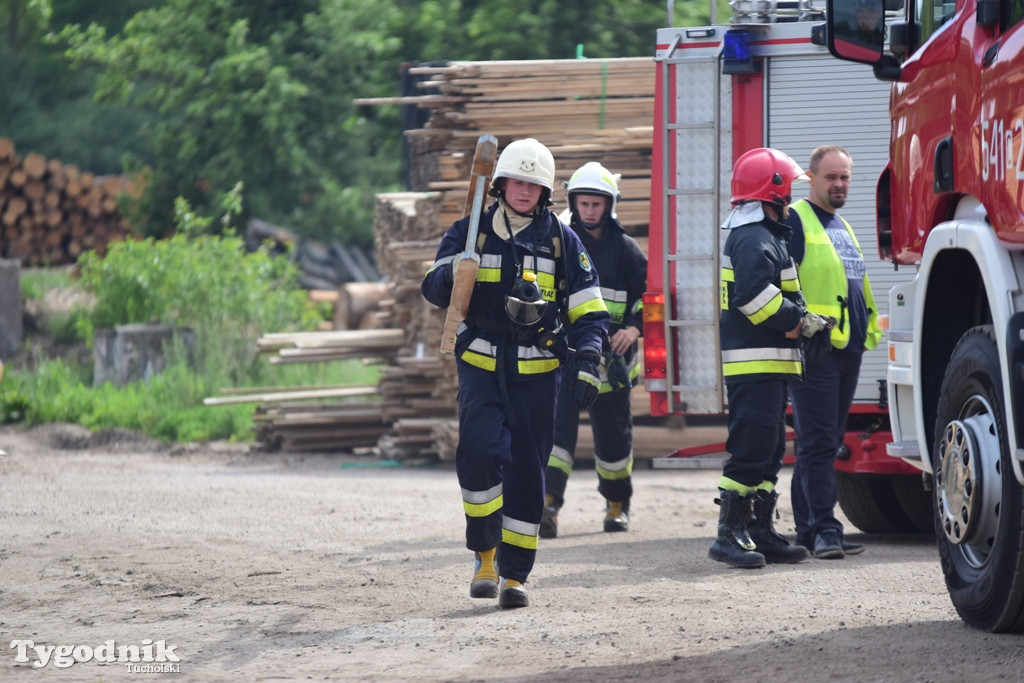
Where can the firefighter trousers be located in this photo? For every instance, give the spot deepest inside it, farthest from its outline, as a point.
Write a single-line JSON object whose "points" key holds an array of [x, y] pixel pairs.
{"points": [[501, 469], [757, 431], [611, 422], [821, 406]]}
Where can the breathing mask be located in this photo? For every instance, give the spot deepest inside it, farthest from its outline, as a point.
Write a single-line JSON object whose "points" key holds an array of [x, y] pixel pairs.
{"points": [[525, 305]]}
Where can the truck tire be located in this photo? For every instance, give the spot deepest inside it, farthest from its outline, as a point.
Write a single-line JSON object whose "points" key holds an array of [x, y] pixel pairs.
{"points": [[979, 521], [872, 505], [915, 502]]}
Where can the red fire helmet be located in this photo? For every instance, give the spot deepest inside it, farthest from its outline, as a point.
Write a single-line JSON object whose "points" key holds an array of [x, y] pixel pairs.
{"points": [[765, 174]]}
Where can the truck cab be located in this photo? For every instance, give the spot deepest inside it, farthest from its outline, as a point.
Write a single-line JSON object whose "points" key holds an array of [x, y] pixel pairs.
{"points": [[949, 204]]}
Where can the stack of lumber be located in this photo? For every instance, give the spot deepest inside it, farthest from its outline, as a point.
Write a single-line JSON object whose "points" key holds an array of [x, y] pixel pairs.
{"points": [[421, 380], [582, 109], [51, 212], [321, 418]]}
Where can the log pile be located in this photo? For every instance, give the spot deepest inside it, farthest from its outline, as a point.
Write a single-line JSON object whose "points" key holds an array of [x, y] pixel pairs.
{"points": [[582, 109], [51, 212]]}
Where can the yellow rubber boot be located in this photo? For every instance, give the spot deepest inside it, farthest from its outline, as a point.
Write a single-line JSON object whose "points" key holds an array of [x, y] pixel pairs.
{"points": [[616, 518], [512, 594], [485, 580]]}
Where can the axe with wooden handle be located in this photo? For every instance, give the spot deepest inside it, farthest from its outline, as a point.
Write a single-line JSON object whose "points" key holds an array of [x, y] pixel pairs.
{"points": [[468, 260]]}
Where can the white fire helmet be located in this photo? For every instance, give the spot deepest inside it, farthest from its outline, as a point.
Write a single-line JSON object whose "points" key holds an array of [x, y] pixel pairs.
{"points": [[528, 160], [593, 178]]}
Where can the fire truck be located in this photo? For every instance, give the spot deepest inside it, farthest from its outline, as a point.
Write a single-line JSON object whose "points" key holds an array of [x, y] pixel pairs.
{"points": [[936, 131], [950, 204], [721, 90]]}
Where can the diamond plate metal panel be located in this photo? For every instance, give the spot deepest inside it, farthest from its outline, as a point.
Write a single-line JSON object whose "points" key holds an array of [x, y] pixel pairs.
{"points": [[699, 370], [695, 84], [696, 221]]}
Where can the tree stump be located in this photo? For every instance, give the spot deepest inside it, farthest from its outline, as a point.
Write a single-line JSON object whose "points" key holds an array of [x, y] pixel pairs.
{"points": [[131, 353], [10, 307]]}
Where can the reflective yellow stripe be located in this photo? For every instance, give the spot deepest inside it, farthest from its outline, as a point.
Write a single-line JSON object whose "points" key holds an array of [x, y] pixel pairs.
{"points": [[519, 540], [538, 366], [727, 484], [757, 367], [519, 533], [616, 470], [789, 280], [585, 301], [560, 460], [758, 314], [479, 360], [488, 275], [482, 503]]}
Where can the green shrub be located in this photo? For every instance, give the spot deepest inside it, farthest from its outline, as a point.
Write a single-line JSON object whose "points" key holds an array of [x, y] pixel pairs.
{"points": [[210, 283]]}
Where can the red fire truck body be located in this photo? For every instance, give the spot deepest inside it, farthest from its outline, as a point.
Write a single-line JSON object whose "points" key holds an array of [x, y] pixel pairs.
{"points": [[950, 202]]}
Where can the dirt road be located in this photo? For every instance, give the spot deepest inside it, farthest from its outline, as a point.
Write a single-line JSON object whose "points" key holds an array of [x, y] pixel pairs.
{"points": [[265, 567]]}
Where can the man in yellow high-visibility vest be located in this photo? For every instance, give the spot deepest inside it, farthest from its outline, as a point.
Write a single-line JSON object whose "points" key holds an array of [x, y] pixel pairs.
{"points": [[834, 282]]}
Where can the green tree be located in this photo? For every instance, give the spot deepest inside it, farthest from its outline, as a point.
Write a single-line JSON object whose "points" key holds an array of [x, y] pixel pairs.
{"points": [[258, 93], [23, 21], [46, 108]]}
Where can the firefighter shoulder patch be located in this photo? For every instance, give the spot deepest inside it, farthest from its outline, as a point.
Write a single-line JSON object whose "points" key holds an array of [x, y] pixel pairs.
{"points": [[584, 261]]}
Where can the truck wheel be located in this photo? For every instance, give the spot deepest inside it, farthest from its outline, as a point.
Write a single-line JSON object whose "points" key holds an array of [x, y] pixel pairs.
{"points": [[915, 502], [871, 504], [978, 516]]}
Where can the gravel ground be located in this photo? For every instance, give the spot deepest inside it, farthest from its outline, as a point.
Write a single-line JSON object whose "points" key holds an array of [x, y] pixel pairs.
{"points": [[275, 567]]}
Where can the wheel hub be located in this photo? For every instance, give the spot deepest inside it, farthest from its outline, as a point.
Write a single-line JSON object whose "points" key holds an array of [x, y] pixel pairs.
{"points": [[958, 481], [968, 484]]}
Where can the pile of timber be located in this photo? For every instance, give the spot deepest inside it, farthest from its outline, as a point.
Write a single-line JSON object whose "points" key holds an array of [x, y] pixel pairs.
{"points": [[582, 109], [338, 418], [51, 212]]}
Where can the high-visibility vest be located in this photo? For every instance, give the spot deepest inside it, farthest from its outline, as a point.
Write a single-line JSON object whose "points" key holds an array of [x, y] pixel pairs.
{"points": [[823, 278]]}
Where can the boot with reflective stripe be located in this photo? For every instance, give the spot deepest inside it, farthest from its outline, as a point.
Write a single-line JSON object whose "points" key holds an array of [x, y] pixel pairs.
{"points": [[733, 545], [770, 542], [485, 578], [512, 594]]}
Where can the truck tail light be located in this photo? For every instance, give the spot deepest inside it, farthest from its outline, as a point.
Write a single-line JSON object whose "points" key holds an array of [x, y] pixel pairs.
{"points": [[654, 341]]}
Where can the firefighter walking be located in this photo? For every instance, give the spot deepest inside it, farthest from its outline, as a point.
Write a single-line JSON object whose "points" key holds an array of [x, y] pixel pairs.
{"points": [[593, 194], [535, 305]]}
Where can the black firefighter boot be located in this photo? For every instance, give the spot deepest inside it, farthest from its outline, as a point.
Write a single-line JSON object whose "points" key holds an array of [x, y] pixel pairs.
{"points": [[770, 542], [733, 545]]}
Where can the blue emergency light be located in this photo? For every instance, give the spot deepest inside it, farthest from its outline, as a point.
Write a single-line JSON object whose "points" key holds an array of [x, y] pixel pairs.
{"points": [[736, 57]]}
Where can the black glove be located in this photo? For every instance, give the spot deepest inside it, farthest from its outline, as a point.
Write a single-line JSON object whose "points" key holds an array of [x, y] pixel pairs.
{"points": [[815, 346], [617, 371], [588, 378]]}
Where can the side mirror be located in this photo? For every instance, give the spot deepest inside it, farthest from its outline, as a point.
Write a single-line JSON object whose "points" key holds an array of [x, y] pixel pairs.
{"points": [[856, 29], [903, 38], [988, 13]]}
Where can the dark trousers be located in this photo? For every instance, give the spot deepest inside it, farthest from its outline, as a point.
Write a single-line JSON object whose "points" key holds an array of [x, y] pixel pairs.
{"points": [[505, 465], [757, 431], [611, 421], [821, 405]]}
